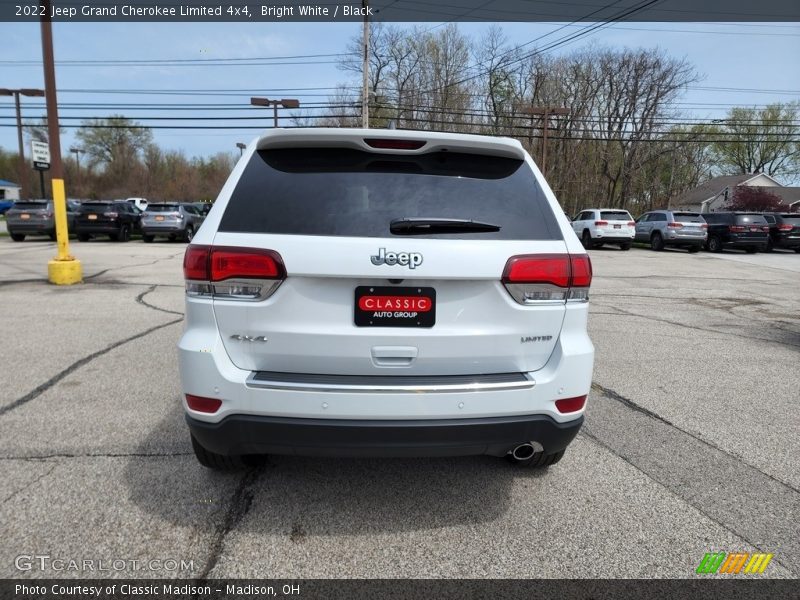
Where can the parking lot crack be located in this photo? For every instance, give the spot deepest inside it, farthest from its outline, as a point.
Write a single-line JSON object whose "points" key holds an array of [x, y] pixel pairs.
{"points": [[41, 389], [59, 455], [150, 290], [30, 484]]}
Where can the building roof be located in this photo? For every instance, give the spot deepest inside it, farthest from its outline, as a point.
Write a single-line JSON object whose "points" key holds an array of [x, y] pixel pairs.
{"points": [[788, 195], [711, 188], [7, 184]]}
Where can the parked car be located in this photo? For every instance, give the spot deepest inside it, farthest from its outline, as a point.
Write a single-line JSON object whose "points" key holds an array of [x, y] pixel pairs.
{"points": [[784, 231], [172, 220], [740, 230], [662, 228], [117, 219], [140, 203], [37, 217], [598, 226], [203, 207], [5, 205], [396, 314]]}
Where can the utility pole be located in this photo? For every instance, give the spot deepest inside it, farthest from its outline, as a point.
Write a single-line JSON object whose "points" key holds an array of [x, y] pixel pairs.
{"points": [[365, 69], [546, 112], [241, 148], [64, 269], [77, 152], [284, 102], [23, 170]]}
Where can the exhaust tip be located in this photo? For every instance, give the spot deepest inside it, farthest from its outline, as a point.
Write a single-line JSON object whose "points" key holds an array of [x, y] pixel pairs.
{"points": [[523, 451]]}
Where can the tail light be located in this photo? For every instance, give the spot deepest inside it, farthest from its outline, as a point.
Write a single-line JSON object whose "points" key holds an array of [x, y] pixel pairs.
{"points": [[784, 227], [765, 228], [704, 226], [570, 405], [204, 405], [536, 278], [232, 273], [736, 228], [631, 223], [675, 225], [601, 223]]}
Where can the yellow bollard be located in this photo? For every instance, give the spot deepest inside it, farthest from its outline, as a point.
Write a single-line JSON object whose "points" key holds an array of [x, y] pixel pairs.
{"points": [[64, 269]]}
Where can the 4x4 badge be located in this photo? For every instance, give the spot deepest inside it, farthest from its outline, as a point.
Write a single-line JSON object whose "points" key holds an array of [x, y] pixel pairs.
{"points": [[405, 259]]}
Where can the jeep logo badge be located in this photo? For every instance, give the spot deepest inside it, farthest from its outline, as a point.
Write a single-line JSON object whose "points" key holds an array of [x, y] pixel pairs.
{"points": [[405, 259]]}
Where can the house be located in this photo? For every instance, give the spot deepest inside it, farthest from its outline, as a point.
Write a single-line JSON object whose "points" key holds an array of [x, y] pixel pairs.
{"points": [[8, 190], [713, 194]]}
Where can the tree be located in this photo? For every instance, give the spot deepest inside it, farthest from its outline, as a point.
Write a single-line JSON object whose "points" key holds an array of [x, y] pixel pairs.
{"points": [[759, 141], [758, 199]]}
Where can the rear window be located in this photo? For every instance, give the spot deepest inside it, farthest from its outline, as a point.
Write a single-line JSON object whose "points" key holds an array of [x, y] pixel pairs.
{"points": [[30, 205], [615, 215], [684, 217], [343, 192], [750, 219], [96, 205], [791, 219], [162, 208]]}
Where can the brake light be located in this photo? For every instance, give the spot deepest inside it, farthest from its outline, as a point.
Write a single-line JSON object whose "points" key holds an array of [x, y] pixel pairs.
{"points": [[785, 227], [704, 226], [601, 223], [536, 278], [232, 273], [736, 228], [765, 228], [570, 405], [675, 225], [631, 223], [203, 405], [389, 144]]}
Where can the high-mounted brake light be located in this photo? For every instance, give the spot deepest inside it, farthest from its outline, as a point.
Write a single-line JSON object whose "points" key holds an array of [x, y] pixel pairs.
{"points": [[535, 278], [389, 144], [232, 273]]}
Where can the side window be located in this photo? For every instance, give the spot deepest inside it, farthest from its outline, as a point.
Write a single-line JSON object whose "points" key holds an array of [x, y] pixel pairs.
{"points": [[770, 219]]}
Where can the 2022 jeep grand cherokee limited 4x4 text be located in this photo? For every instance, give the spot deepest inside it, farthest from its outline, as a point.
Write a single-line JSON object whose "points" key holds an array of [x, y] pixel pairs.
{"points": [[391, 293]]}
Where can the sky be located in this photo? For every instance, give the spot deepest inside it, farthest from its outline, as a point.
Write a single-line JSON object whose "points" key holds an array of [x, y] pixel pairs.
{"points": [[757, 63]]}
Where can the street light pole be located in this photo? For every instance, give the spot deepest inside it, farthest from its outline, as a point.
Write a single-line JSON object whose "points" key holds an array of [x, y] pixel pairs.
{"points": [[64, 269], [284, 102], [241, 148], [77, 152], [546, 112], [365, 69], [23, 171]]}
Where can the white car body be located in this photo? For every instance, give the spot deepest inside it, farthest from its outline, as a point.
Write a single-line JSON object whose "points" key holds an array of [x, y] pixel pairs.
{"points": [[598, 226], [292, 372]]}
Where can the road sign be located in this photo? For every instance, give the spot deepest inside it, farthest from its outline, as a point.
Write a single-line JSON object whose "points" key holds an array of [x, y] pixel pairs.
{"points": [[40, 155]]}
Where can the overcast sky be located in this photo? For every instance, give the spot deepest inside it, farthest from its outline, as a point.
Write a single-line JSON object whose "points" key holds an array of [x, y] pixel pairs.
{"points": [[760, 57]]}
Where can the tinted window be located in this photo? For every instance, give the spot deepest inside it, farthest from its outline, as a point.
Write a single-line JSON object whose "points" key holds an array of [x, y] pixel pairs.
{"points": [[344, 192], [30, 205], [713, 218], [769, 218], [659, 217], [750, 219], [162, 207], [615, 215], [95, 205], [685, 217], [790, 219]]}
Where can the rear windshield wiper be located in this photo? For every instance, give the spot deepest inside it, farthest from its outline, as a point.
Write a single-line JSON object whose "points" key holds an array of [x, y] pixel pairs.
{"points": [[421, 226]]}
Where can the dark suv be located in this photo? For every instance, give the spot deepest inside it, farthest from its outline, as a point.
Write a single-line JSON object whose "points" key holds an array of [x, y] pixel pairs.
{"points": [[745, 231], [117, 220], [36, 217], [784, 231]]}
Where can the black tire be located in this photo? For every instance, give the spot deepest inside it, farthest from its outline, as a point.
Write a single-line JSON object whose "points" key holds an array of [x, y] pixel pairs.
{"points": [[586, 239], [693, 249], [52, 236], [83, 237], [188, 234], [714, 244], [624, 246], [540, 460], [124, 233], [218, 462], [797, 250], [171, 237], [657, 242], [751, 249], [769, 247], [18, 237], [148, 239]]}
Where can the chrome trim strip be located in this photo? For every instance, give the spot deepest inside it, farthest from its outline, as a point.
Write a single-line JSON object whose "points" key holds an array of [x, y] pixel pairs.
{"points": [[433, 388]]}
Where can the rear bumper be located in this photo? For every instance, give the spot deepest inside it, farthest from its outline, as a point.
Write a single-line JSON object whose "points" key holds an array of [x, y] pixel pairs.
{"points": [[614, 239], [495, 436], [786, 242], [149, 229], [42, 227], [101, 228]]}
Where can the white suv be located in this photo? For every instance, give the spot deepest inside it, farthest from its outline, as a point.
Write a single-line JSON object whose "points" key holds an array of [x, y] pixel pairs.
{"points": [[385, 293], [598, 226]]}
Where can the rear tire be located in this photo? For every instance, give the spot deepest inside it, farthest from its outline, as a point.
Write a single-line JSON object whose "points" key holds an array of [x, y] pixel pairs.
{"points": [[657, 242], [540, 460], [52, 236], [124, 233], [83, 237], [586, 240], [769, 247], [714, 244], [751, 249], [624, 246], [694, 249], [188, 234], [218, 462], [18, 237], [148, 239]]}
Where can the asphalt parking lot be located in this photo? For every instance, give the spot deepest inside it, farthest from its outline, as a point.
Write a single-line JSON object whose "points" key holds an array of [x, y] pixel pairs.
{"points": [[690, 443]]}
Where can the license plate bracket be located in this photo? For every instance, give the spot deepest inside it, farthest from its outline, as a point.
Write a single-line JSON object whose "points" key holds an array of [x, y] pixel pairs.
{"points": [[385, 306]]}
